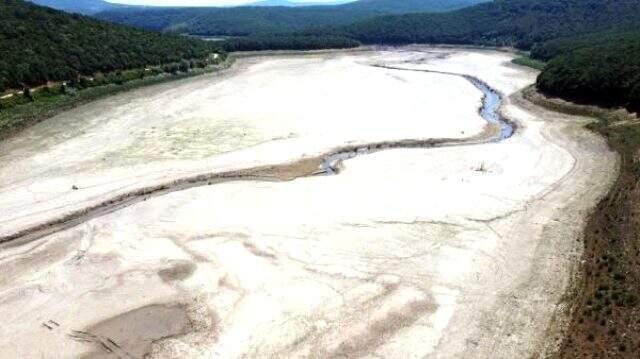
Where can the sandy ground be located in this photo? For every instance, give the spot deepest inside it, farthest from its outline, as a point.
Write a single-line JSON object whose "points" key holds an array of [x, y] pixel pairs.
{"points": [[404, 254]]}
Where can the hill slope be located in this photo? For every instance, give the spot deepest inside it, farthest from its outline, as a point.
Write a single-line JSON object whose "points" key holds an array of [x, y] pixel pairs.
{"points": [[38, 44], [251, 20], [519, 23]]}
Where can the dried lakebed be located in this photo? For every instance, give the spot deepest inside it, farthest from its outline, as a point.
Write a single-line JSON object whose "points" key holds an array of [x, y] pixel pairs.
{"points": [[463, 249], [491, 102]]}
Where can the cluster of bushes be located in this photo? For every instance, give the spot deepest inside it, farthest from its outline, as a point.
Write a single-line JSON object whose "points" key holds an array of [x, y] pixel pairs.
{"points": [[38, 45], [526, 60], [289, 42], [118, 77]]}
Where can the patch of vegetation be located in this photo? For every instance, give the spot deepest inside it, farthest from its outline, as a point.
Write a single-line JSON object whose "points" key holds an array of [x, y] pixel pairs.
{"points": [[289, 42], [526, 60]]}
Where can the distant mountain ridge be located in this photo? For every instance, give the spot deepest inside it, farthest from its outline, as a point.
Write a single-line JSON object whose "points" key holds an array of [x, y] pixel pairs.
{"points": [[260, 20], [296, 4], [406, 6], [87, 7]]}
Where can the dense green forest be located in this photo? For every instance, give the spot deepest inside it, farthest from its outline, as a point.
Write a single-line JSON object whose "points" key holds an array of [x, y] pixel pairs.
{"points": [[518, 23], [39, 44], [600, 68], [549, 49], [260, 20]]}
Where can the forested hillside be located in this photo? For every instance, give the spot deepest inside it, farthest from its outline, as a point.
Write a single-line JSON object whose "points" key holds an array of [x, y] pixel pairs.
{"points": [[600, 68], [252, 20], [519, 23], [38, 44]]}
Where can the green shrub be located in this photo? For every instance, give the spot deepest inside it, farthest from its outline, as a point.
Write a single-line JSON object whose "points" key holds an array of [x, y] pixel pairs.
{"points": [[26, 93]]}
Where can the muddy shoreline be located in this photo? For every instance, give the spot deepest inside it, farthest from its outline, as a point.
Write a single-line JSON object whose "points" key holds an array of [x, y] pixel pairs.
{"points": [[604, 299]]}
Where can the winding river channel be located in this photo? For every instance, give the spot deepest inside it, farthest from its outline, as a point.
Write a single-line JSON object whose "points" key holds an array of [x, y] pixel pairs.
{"points": [[330, 164], [491, 103]]}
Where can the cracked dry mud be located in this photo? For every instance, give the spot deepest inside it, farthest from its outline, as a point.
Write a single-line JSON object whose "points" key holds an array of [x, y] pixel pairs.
{"points": [[455, 251]]}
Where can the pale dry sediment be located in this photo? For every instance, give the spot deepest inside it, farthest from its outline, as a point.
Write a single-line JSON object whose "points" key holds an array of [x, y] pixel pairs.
{"points": [[443, 252], [267, 111]]}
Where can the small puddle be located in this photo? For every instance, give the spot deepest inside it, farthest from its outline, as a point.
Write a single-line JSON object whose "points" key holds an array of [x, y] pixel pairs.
{"points": [[132, 334]]}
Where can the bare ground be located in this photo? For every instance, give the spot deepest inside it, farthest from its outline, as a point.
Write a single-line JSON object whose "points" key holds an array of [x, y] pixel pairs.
{"points": [[406, 253]]}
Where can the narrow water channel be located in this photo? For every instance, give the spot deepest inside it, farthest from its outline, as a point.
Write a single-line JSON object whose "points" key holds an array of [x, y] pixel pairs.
{"points": [[489, 111]]}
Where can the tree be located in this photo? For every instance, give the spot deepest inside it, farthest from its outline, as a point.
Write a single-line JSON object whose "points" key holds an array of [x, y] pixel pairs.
{"points": [[634, 97], [184, 66], [26, 92]]}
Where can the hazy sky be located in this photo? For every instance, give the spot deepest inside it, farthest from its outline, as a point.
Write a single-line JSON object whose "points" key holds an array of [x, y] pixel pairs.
{"points": [[197, 2]]}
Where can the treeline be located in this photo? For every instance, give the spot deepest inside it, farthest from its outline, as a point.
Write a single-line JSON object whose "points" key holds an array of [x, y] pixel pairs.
{"points": [[289, 42], [601, 68], [99, 79], [38, 45]]}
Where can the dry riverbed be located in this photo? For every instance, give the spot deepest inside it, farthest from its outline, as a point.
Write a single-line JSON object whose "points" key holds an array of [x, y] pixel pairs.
{"points": [[456, 251]]}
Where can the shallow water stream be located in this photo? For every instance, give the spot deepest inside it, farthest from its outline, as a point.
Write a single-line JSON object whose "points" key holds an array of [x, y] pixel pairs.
{"points": [[491, 102]]}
